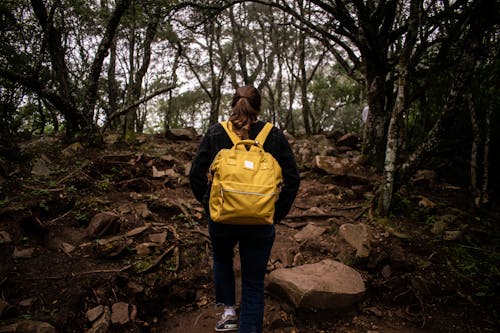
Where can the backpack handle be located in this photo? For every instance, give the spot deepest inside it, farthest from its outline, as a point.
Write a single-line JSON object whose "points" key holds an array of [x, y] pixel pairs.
{"points": [[250, 143]]}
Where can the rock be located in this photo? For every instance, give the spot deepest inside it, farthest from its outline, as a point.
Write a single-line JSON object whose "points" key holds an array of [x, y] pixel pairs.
{"points": [[4, 308], [187, 168], [452, 235], [67, 248], [350, 140], [386, 271], [181, 134], [159, 238], [438, 227], [142, 210], [343, 166], [358, 236], [326, 285], [72, 150], [135, 287], [23, 253], [375, 310], [304, 152], [103, 224], [310, 231], [448, 218], [111, 139], [109, 248], [29, 326], [27, 302], [40, 167], [143, 249], [331, 164], [425, 177], [102, 324], [170, 173], [426, 203], [5, 237], [94, 313], [120, 313]]}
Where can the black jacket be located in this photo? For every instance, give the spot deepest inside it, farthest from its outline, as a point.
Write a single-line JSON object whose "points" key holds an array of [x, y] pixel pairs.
{"points": [[276, 144]]}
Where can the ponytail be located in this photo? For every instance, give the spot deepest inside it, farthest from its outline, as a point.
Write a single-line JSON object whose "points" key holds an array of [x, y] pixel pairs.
{"points": [[245, 107]]}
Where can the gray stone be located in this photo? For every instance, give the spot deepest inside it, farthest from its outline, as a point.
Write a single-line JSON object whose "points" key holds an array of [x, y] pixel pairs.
{"points": [[326, 285], [29, 326], [102, 324], [439, 227], [310, 231], [120, 313], [40, 167], [72, 150], [94, 313], [103, 223], [181, 133], [350, 140], [358, 236]]}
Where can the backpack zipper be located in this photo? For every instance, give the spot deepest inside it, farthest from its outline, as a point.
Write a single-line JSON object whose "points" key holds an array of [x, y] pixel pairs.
{"points": [[244, 192]]}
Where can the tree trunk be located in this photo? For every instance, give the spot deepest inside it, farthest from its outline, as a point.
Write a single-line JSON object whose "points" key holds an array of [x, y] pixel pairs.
{"points": [[136, 84], [374, 143], [476, 142], [129, 128], [393, 144], [486, 155], [112, 85], [394, 132]]}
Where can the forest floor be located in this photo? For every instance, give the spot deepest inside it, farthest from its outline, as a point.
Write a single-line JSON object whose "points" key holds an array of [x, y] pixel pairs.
{"points": [[147, 259]]}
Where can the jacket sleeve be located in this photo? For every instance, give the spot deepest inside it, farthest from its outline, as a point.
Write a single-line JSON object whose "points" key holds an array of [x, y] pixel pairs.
{"points": [[198, 174], [291, 180]]}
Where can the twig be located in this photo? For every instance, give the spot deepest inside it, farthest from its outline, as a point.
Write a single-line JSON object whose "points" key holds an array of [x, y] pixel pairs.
{"points": [[73, 274], [44, 189], [363, 211], [197, 319], [315, 216], [203, 233], [174, 231], [116, 270], [57, 218], [349, 207], [157, 260], [117, 155], [75, 172]]}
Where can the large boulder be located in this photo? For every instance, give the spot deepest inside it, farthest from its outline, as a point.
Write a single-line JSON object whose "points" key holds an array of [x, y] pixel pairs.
{"points": [[344, 166], [350, 140], [181, 134], [326, 285]]}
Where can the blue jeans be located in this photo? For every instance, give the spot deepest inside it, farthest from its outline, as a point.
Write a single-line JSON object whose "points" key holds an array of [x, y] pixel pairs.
{"points": [[255, 243]]}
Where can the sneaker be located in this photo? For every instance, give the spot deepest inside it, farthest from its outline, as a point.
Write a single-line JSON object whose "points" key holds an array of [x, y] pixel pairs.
{"points": [[227, 323]]}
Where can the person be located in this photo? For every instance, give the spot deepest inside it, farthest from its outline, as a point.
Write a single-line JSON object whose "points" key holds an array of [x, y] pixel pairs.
{"points": [[364, 114], [254, 241]]}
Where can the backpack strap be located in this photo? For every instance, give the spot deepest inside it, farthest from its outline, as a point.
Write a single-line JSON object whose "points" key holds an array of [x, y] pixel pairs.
{"points": [[228, 127], [264, 132], [261, 137]]}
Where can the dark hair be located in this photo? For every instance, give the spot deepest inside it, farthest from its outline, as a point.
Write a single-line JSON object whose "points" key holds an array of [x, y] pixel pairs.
{"points": [[246, 107]]}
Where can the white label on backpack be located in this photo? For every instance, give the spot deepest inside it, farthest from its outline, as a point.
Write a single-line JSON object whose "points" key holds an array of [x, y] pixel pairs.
{"points": [[249, 165]]}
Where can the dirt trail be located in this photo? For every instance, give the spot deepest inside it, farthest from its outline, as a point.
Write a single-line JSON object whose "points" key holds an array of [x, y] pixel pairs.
{"points": [[53, 271]]}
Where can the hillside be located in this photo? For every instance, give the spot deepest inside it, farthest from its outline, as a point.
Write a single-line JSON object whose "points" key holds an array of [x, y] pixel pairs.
{"points": [[111, 239]]}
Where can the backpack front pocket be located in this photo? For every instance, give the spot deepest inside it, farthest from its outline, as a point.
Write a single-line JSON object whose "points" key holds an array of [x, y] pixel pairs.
{"points": [[247, 203]]}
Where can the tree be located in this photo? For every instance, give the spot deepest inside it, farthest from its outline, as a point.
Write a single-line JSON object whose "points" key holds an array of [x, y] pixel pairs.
{"points": [[44, 67]]}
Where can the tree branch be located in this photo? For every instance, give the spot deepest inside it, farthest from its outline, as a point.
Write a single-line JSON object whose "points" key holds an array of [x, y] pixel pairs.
{"points": [[102, 52], [125, 109]]}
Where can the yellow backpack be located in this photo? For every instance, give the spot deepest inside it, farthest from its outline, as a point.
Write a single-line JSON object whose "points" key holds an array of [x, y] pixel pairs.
{"points": [[245, 182]]}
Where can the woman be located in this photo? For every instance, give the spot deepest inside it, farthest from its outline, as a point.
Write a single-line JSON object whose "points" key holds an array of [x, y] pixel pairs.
{"points": [[255, 242]]}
